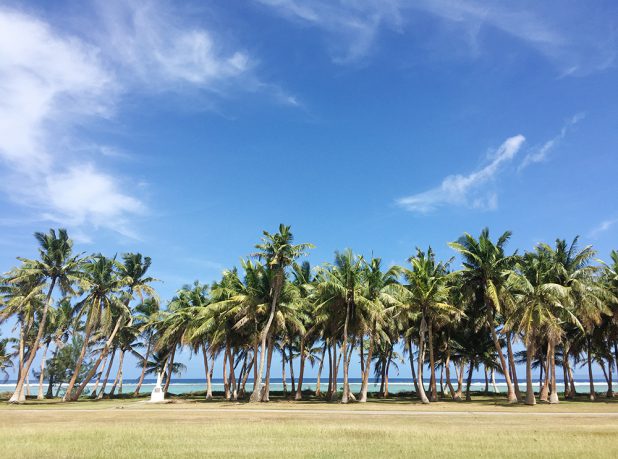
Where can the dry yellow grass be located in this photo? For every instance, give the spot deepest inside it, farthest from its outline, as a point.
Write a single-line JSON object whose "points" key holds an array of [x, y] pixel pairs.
{"points": [[129, 429]]}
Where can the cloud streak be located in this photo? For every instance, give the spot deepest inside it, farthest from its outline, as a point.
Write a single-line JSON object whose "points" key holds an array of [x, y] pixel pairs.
{"points": [[541, 154], [465, 190], [54, 84]]}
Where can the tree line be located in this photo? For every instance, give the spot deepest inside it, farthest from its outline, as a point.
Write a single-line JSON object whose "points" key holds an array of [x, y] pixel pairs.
{"points": [[557, 301]]}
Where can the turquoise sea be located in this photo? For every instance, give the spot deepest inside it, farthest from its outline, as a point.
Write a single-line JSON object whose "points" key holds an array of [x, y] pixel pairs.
{"points": [[182, 386]]}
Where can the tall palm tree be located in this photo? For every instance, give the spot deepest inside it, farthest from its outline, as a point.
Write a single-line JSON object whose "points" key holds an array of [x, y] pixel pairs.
{"points": [[428, 293], [540, 311], [100, 306], [56, 265], [279, 252], [486, 269]]}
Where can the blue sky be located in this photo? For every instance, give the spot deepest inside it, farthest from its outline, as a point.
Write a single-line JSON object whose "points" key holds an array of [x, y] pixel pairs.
{"points": [[181, 130]]}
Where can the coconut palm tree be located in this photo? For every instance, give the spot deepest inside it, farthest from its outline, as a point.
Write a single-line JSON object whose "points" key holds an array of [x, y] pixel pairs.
{"points": [[540, 311], [100, 306], [57, 266], [278, 252], [428, 292], [486, 269]]}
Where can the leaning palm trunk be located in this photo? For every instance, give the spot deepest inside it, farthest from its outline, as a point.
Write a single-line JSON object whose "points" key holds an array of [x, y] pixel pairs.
{"points": [[365, 384], [102, 355], [530, 398], [512, 398], [96, 384], [447, 368], [118, 373], [318, 391], [109, 369], [460, 374], [284, 382], [244, 379], [610, 382], [40, 395], [143, 374], [553, 396], [291, 362], [421, 358], [170, 371], [68, 395], [469, 381], [257, 395], [18, 396]]}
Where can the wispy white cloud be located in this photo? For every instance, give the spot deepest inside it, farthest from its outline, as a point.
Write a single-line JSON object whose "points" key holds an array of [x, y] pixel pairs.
{"points": [[466, 190], [352, 26], [574, 38], [602, 227], [54, 83], [541, 153]]}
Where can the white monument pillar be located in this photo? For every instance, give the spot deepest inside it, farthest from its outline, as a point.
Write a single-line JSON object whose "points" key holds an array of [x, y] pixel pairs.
{"points": [[157, 394]]}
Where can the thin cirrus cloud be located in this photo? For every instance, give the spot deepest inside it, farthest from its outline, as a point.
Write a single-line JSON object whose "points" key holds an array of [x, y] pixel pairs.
{"points": [[542, 153], [466, 190], [576, 40], [53, 83]]}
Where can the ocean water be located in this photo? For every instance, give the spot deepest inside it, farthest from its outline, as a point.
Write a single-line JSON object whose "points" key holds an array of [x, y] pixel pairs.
{"points": [[396, 385]]}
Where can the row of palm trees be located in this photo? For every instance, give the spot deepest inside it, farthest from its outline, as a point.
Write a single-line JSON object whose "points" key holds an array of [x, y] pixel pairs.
{"points": [[555, 301]]}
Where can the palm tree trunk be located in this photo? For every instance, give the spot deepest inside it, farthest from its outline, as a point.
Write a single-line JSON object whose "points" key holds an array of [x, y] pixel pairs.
{"points": [[367, 367], [346, 387], [226, 385], [291, 361], [106, 348], [544, 395], [331, 371], [255, 362], [469, 381], [413, 371], [68, 395], [42, 373], [318, 391], [207, 373], [266, 388], [386, 368], [592, 395], [565, 372], [233, 387], [486, 381], [50, 382], [442, 381], [432, 364], [509, 348], [96, 384], [610, 382], [530, 398], [257, 395], [109, 367], [143, 374], [572, 382], [421, 359], [118, 373], [283, 376], [18, 396], [460, 373], [512, 398], [170, 371], [447, 368], [301, 371], [553, 396]]}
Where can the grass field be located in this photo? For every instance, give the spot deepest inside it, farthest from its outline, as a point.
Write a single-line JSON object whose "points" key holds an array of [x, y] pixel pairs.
{"points": [[486, 427]]}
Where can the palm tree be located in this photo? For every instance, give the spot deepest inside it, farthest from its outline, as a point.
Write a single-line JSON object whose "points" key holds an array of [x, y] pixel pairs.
{"points": [[540, 310], [100, 306], [486, 269], [5, 358], [147, 312], [588, 299], [340, 288], [278, 251], [428, 293], [56, 265]]}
